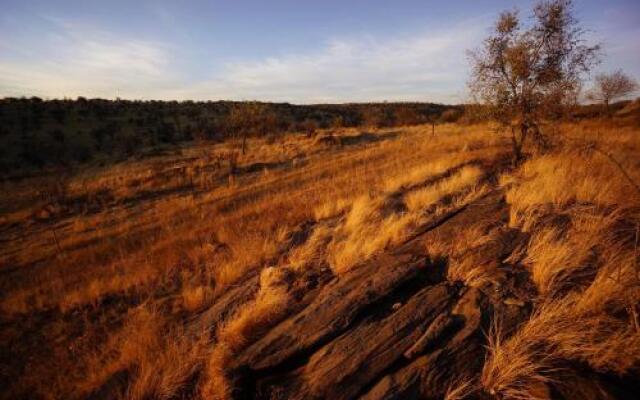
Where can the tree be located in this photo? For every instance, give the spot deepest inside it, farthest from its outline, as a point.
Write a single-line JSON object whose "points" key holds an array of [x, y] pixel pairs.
{"points": [[525, 74], [309, 127], [166, 132], [451, 115], [251, 118], [609, 87], [378, 116], [406, 115]]}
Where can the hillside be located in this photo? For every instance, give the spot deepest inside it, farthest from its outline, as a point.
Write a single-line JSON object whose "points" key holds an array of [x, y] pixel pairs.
{"points": [[37, 135], [385, 263]]}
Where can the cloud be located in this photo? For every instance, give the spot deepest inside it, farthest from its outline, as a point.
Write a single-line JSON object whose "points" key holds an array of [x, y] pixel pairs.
{"points": [[74, 60], [427, 66]]}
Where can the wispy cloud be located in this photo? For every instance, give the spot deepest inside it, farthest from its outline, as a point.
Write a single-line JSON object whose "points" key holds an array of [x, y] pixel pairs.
{"points": [[427, 66], [73, 60], [79, 60]]}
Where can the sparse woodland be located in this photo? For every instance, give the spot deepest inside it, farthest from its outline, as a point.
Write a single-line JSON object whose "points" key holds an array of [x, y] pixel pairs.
{"points": [[38, 135], [154, 250]]}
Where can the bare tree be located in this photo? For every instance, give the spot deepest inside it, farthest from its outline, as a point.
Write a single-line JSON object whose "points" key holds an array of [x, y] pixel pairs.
{"points": [[609, 87], [528, 73]]}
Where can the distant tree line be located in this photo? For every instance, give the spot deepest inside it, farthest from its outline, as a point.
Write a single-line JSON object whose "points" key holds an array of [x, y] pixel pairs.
{"points": [[35, 133]]}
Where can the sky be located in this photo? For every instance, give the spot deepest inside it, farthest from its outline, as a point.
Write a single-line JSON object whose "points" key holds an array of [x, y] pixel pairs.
{"points": [[300, 51]]}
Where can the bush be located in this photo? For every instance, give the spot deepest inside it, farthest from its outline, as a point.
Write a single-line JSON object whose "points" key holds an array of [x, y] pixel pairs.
{"points": [[81, 147], [450, 116]]}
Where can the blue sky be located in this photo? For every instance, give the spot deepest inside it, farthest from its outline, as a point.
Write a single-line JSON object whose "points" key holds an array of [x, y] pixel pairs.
{"points": [[295, 51]]}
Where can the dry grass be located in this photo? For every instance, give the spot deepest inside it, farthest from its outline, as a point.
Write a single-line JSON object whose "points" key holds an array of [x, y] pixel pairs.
{"points": [[460, 390], [245, 325], [616, 284], [135, 245], [313, 251], [521, 366], [555, 181], [171, 230], [146, 245], [426, 197], [516, 368], [159, 362], [421, 173], [196, 298], [465, 254], [331, 208], [377, 221], [576, 225], [365, 231], [583, 217], [562, 258]]}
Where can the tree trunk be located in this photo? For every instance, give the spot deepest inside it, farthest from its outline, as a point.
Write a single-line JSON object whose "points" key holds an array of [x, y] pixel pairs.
{"points": [[518, 142], [539, 138]]}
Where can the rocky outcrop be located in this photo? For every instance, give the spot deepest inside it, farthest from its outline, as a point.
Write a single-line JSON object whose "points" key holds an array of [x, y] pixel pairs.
{"points": [[342, 368], [458, 354], [393, 327]]}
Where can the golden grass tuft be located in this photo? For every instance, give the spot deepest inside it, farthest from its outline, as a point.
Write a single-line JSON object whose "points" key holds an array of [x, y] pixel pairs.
{"points": [[196, 298], [360, 243], [460, 390], [520, 366], [331, 208], [312, 252], [425, 197], [583, 260], [515, 368], [376, 221], [553, 181], [159, 361], [419, 174], [244, 326], [561, 258]]}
